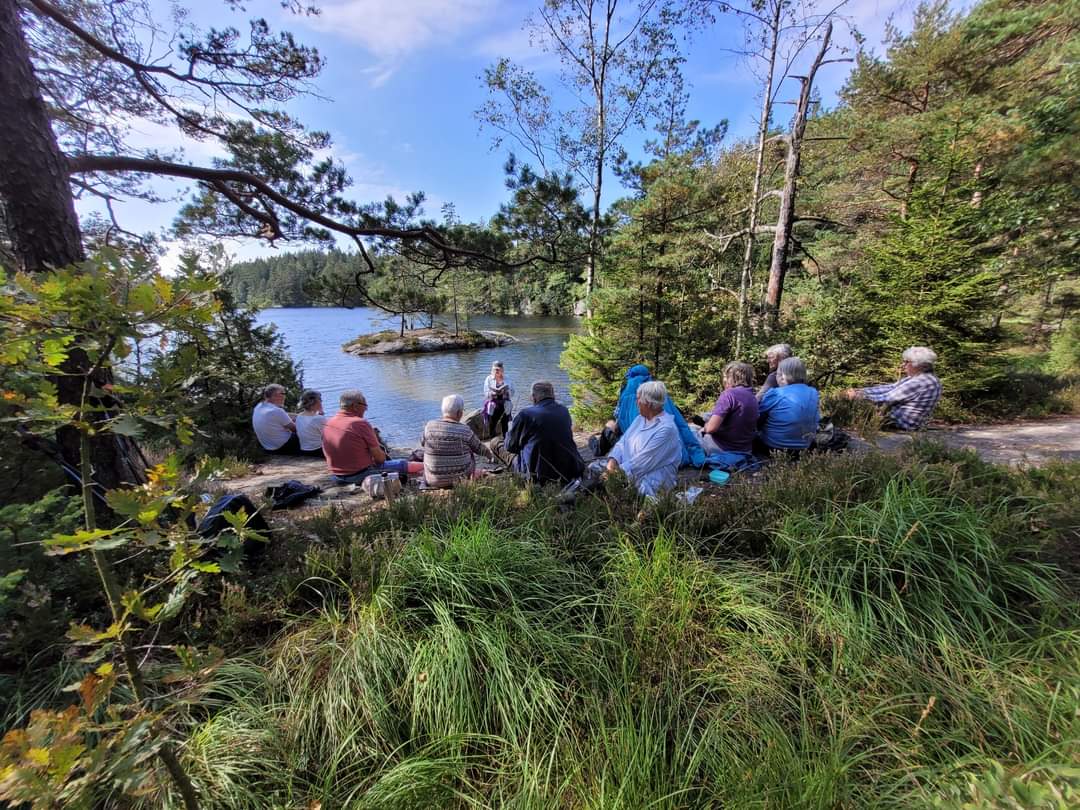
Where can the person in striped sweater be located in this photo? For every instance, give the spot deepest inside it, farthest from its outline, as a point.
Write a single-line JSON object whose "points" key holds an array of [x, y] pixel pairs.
{"points": [[450, 448]]}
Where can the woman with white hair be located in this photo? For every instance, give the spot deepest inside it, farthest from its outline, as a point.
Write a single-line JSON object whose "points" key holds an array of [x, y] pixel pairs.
{"points": [[650, 451], [450, 448], [788, 414], [774, 354], [909, 403]]}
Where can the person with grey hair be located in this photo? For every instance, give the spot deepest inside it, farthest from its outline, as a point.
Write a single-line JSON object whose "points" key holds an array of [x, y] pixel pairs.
{"points": [[540, 443], [909, 403], [450, 448], [352, 449], [274, 428], [774, 354], [729, 431], [310, 422], [788, 415], [650, 451]]}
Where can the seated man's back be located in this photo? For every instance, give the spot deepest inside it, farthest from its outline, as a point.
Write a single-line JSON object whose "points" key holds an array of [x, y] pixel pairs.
{"points": [[542, 438]]}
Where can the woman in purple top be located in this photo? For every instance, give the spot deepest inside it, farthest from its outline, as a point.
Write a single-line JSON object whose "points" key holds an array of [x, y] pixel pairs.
{"points": [[733, 421]]}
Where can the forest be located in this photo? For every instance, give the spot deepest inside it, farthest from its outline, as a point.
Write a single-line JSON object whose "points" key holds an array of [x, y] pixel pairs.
{"points": [[879, 630]]}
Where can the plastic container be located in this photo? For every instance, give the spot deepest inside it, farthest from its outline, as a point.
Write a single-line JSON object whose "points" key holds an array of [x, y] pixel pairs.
{"points": [[719, 477]]}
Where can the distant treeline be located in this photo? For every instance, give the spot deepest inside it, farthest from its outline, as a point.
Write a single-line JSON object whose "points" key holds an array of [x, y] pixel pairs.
{"points": [[325, 278]]}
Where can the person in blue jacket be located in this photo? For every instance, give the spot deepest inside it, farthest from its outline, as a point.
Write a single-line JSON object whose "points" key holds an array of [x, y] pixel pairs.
{"points": [[626, 411]]}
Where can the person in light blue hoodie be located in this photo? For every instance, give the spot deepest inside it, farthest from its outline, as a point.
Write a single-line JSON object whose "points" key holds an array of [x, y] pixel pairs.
{"points": [[788, 415], [626, 411]]}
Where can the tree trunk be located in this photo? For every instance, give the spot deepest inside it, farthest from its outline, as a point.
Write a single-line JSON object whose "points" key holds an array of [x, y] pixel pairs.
{"points": [[759, 164], [786, 219], [658, 318], [594, 231], [44, 230], [38, 205]]}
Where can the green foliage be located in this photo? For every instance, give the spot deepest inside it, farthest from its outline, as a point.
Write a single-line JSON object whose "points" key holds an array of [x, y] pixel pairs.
{"points": [[72, 327], [212, 372], [926, 287], [1065, 349], [883, 640], [934, 200]]}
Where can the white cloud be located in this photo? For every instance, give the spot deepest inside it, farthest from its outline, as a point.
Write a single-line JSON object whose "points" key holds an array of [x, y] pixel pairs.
{"points": [[392, 28]]}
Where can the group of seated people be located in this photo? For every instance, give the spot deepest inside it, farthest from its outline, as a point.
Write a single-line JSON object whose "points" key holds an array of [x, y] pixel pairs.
{"points": [[648, 439]]}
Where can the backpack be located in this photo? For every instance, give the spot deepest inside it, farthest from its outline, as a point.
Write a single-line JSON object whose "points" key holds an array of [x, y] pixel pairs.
{"points": [[214, 523], [829, 439]]}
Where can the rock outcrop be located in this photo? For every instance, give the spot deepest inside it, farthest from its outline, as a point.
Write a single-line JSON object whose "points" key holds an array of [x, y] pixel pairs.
{"points": [[426, 340]]}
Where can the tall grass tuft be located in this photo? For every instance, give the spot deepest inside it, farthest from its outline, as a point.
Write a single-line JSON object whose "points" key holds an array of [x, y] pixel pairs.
{"points": [[913, 569], [884, 632]]}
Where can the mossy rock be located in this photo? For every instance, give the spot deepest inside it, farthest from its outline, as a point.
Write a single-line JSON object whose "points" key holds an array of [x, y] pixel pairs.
{"points": [[425, 340]]}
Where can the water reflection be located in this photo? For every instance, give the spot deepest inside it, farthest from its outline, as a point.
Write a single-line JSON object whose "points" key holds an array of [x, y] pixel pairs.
{"points": [[404, 391]]}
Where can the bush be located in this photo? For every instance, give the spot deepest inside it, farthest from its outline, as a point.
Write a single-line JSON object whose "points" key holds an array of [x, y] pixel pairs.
{"points": [[1064, 356], [215, 373]]}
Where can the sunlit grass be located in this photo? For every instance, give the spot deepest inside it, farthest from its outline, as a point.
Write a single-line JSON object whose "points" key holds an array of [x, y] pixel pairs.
{"points": [[841, 634]]}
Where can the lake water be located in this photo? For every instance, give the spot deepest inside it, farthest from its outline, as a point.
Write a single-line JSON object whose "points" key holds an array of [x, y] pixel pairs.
{"points": [[405, 390]]}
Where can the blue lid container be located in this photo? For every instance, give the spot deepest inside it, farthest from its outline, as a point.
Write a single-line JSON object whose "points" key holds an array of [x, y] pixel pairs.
{"points": [[719, 477]]}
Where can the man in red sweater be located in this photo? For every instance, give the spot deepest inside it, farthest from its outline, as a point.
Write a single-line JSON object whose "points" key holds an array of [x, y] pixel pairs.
{"points": [[351, 447]]}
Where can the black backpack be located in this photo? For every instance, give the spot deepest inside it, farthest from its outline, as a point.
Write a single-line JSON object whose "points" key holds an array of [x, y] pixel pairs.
{"points": [[214, 523]]}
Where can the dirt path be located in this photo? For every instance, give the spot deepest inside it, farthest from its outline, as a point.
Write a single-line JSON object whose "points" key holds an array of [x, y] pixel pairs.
{"points": [[1017, 444]]}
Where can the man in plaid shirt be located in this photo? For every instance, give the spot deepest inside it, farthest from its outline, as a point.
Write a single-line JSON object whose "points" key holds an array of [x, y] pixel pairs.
{"points": [[909, 402]]}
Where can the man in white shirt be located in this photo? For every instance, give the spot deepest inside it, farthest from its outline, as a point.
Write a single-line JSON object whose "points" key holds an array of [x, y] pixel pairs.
{"points": [[650, 451], [274, 428]]}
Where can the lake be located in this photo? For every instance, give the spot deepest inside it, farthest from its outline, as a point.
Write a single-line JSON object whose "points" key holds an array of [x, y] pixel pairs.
{"points": [[405, 390]]}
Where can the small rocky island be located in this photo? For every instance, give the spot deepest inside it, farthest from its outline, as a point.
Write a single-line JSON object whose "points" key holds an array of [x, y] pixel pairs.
{"points": [[426, 340]]}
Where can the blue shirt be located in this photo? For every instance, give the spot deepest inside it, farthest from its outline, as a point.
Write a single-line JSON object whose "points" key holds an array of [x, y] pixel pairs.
{"points": [[788, 416], [649, 453]]}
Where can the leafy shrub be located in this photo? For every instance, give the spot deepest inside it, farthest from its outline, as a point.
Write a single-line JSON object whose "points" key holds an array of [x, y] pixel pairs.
{"points": [[1064, 356], [214, 373]]}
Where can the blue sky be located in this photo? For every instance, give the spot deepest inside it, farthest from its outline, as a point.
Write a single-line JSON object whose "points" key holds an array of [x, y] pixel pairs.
{"points": [[401, 85]]}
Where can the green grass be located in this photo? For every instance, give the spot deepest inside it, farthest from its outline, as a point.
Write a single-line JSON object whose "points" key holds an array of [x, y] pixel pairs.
{"points": [[878, 632]]}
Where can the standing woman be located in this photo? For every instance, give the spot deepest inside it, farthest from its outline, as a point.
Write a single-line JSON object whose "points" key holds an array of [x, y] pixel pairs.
{"points": [[498, 400], [309, 423]]}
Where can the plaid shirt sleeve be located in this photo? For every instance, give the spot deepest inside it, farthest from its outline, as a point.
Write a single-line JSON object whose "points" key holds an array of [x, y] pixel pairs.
{"points": [[912, 399], [880, 393]]}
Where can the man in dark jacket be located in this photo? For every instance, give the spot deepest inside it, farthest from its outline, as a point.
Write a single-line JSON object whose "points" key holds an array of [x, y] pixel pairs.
{"points": [[540, 445]]}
